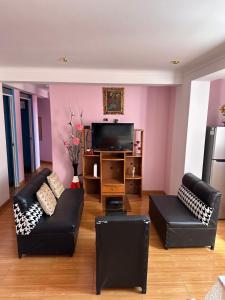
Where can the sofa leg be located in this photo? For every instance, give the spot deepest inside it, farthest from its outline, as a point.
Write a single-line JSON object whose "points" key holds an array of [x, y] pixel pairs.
{"points": [[143, 290], [98, 291], [212, 247], [166, 248], [19, 255]]}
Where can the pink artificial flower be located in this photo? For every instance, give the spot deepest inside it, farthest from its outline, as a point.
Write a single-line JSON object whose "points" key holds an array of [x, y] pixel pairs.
{"points": [[65, 143], [79, 127], [76, 141]]}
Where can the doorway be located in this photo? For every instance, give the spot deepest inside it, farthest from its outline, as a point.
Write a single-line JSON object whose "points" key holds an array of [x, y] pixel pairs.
{"points": [[27, 132], [9, 141], [10, 134]]}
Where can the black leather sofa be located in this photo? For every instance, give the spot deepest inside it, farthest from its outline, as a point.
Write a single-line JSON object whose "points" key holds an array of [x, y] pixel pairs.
{"points": [[176, 225], [56, 234], [122, 244]]}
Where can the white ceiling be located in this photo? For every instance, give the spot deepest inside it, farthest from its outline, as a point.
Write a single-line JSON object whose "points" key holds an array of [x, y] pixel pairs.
{"points": [[117, 34]]}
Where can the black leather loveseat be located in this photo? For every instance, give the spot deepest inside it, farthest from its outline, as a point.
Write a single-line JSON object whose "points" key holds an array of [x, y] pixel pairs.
{"points": [[56, 234], [176, 224]]}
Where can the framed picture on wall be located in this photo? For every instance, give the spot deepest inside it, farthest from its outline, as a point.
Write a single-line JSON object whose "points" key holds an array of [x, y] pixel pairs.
{"points": [[113, 101]]}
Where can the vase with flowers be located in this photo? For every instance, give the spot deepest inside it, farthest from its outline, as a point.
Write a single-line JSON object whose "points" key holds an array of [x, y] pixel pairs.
{"points": [[73, 144]]}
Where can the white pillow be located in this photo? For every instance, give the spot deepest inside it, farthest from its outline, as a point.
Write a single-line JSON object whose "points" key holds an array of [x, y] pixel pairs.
{"points": [[46, 199], [55, 185]]}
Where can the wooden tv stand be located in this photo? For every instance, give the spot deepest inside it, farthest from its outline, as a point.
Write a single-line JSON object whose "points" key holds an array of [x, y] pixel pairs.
{"points": [[115, 175]]}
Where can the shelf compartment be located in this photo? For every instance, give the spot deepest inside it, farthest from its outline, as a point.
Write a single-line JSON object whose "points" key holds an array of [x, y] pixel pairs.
{"points": [[113, 170], [134, 155], [91, 177], [112, 155], [136, 162], [133, 186], [112, 181], [135, 177], [89, 162], [92, 186]]}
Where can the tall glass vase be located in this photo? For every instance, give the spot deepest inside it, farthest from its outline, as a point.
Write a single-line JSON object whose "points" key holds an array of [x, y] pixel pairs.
{"points": [[75, 167], [75, 184]]}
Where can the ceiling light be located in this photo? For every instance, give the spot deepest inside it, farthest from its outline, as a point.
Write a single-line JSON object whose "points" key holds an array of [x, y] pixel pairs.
{"points": [[175, 62], [63, 60]]}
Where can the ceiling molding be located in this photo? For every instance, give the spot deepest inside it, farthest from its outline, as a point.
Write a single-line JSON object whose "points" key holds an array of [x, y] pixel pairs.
{"points": [[97, 76], [211, 62]]}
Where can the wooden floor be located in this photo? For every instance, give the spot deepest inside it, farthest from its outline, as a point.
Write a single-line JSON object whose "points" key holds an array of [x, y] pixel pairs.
{"points": [[172, 274]]}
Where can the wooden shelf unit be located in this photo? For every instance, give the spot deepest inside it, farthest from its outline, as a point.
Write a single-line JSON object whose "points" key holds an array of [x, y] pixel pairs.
{"points": [[115, 176]]}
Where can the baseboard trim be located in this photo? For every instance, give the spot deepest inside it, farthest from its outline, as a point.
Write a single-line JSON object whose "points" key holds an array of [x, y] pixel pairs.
{"points": [[22, 182], [153, 192], [46, 162], [4, 204]]}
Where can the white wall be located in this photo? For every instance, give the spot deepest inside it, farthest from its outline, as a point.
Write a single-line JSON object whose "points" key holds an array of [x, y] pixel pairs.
{"points": [[19, 135], [36, 131], [179, 138], [4, 186], [106, 76], [182, 158], [197, 121]]}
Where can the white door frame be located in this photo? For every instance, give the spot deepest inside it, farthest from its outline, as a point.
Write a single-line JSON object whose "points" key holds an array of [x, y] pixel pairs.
{"points": [[14, 139], [31, 130]]}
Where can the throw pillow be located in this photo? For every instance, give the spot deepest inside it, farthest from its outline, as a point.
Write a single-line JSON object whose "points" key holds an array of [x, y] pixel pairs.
{"points": [[46, 199], [28, 220], [55, 185], [195, 205]]}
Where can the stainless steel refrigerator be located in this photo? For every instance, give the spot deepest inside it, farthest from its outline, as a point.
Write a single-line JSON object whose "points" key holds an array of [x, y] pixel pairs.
{"points": [[214, 162]]}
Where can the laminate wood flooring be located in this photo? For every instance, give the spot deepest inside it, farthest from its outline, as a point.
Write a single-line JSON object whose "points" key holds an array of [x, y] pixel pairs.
{"points": [[174, 274]]}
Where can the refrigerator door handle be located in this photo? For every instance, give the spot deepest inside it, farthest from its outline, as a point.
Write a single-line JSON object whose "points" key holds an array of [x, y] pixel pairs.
{"points": [[220, 160]]}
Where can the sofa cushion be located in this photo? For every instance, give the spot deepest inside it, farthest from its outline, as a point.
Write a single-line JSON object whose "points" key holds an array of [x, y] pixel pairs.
{"points": [[45, 172], [189, 180], [201, 211], [66, 216], [46, 199], [175, 213], [26, 221], [55, 185], [206, 193], [26, 197]]}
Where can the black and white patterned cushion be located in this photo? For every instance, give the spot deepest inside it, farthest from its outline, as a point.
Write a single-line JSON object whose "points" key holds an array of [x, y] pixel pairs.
{"points": [[195, 205], [27, 221]]}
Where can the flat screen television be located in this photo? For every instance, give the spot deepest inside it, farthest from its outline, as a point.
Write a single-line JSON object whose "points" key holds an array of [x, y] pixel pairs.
{"points": [[112, 136]]}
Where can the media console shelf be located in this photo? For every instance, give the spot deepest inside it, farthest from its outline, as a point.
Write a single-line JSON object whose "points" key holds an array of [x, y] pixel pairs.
{"points": [[119, 172]]}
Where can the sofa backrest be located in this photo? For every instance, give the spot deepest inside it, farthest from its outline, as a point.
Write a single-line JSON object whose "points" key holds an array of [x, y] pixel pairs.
{"points": [[205, 192], [122, 244], [27, 195]]}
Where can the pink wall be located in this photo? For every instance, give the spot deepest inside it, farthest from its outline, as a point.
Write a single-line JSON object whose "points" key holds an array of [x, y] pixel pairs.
{"points": [[147, 107], [216, 100], [46, 143]]}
